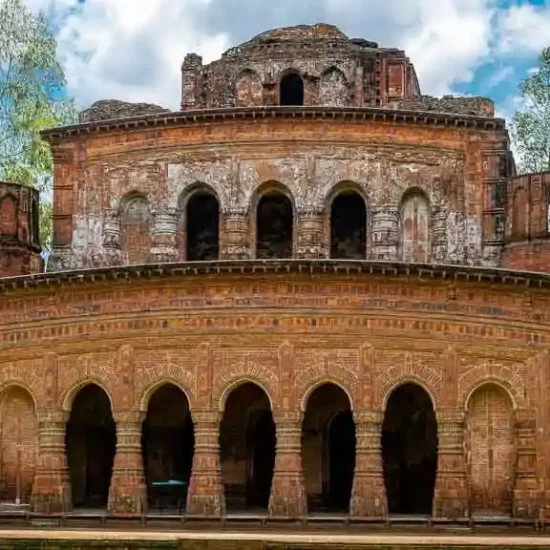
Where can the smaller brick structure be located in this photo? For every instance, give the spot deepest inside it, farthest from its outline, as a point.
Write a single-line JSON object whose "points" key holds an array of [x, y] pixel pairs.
{"points": [[19, 230], [527, 233]]}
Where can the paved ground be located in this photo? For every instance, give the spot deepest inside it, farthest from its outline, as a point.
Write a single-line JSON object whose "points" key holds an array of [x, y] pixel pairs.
{"points": [[376, 539]]}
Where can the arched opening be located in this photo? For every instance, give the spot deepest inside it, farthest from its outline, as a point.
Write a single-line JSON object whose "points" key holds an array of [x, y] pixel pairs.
{"points": [[203, 220], [291, 91], [135, 230], [247, 448], [414, 227], [168, 445], [91, 444], [348, 226], [409, 450], [328, 449], [18, 446], [274, 226], [490, 444]]}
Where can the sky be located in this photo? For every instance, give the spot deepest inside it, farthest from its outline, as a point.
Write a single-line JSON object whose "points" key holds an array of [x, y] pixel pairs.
{"points": [[132, 49]]}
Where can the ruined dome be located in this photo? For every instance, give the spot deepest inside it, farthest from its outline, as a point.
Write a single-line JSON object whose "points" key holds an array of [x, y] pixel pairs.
{"points": [[319, 31]]}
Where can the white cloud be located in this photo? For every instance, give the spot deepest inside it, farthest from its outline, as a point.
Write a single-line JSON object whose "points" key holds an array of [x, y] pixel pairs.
{"points": [[133, 49]]}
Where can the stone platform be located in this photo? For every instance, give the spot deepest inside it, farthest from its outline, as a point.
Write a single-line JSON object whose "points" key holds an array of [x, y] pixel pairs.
{"points": [[49, 539]]}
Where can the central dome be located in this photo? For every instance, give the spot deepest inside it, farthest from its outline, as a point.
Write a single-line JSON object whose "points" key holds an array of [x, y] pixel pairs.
{"points": [[319, 31]]}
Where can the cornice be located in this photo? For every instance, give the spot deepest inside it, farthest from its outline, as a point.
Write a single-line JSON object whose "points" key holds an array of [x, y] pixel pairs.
{"points": [[347, 114], [421, 272]]}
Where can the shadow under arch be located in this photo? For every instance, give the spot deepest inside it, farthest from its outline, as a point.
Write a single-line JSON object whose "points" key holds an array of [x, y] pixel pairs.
{"points": [[247, 447], [18, 443], [348, 218], [91, 444], [199, 223], [168, 446], [291, 88], [409, 450], [274, 216], [328, 448]]}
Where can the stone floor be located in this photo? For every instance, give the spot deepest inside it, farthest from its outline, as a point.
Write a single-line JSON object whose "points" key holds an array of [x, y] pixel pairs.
{"points": [[319, 538]]}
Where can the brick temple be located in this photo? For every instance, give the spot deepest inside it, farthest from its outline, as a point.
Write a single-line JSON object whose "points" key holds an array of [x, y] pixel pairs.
{"points": [[311, 291]]}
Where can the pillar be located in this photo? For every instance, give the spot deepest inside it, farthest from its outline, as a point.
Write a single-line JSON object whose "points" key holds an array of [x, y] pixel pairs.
{"points": [[111, 237], [526, 488], [439, 237], [163, 236], [51, 492], [206, 497], [309, 235], [237, 232], [128, 492], [368, 495], [451, 491], [288, 495], [384, 234]]}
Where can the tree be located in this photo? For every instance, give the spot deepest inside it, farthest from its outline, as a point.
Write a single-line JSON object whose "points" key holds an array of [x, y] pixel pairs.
{"points": [[32, 98], [531, 127]]}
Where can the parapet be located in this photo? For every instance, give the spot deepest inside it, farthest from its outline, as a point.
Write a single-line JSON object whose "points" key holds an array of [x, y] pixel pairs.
{"points": [[474, 106]]}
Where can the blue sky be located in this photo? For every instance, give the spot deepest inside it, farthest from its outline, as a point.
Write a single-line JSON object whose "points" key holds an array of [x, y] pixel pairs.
{"points": [[132, 49]]}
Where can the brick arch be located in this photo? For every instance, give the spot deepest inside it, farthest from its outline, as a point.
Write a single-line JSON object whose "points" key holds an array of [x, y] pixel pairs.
{"points": [[491, 372], [270, 186], [8, 214], [192, 189], [8, 385], [33, 384], [69, 395], [314, 384], [332, 190], [135, 228], [150, 390], [325, 372], [408, 371], [247, 371], [415, 226], [333, 88], [504, 385], [226, 391]]}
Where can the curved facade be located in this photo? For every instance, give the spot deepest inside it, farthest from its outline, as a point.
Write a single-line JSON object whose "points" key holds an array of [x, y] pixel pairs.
{"points": [[286, 299]]}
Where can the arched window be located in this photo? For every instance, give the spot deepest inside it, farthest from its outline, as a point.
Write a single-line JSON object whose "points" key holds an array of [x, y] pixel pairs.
{"points": [[348, 224], [135, 230], [202, 214], [274, 226], [414, 227], [291, 90]]}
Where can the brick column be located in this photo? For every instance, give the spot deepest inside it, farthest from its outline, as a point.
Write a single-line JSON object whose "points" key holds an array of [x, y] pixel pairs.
{"points": [[288, 494], [163, 236], [236, 245], [439, 237], [368, 495], [526, 489], [384, 234], [51, 491], [128, 492], [310, 239], [451, 490], [111, 237], [206, 494]]}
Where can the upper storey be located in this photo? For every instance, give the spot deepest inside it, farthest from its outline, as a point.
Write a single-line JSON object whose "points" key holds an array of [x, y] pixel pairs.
{"points": [[314, 65]]}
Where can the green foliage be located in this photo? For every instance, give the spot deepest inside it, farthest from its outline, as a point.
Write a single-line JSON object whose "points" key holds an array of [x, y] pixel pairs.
{"points": [[31, 99], [531, 127]]}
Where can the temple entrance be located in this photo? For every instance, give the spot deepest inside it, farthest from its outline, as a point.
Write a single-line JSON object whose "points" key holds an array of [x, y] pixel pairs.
{"points": [[291, 90], [91, 445], [490, 444], [348, 227], [409, 451], [168, 445], [247, 448], [328, 449], [274, 226], [202, 227]]}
